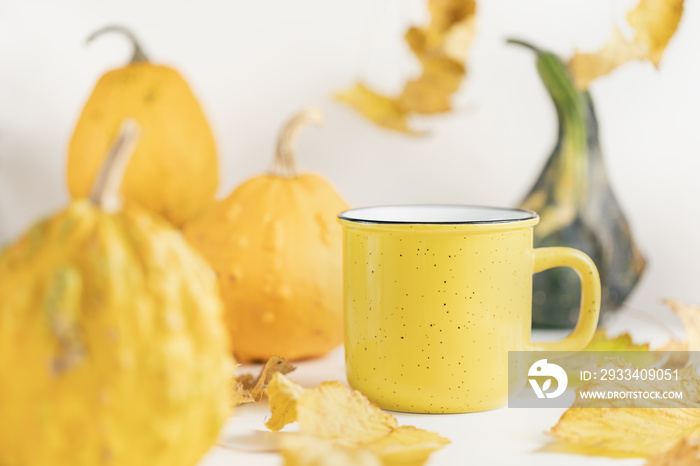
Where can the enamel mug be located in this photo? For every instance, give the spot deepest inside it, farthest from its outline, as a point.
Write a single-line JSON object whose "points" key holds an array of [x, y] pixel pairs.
{"points": [[435, 297]]}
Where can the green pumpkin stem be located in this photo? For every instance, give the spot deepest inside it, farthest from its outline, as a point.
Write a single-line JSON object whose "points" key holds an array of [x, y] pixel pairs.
{"points": [[572, 113], [577, 205], [284, 164], [105, 191], [138, 56]]}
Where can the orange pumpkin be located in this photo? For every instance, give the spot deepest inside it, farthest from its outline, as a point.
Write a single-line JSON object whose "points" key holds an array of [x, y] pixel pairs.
{"points": [[174, 169], [275, 245]]}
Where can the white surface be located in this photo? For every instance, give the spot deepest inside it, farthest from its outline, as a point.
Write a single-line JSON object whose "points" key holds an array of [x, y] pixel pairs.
{"points": [[254, 63], [499, 437]]}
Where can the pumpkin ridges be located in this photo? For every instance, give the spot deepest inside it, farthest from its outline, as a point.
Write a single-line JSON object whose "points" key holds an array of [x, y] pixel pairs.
{"points": [[225, 255], [309, 313], [136, 389]]}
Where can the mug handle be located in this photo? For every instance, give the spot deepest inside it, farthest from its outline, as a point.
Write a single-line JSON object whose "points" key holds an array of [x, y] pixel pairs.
{"points": [[547, 258]]}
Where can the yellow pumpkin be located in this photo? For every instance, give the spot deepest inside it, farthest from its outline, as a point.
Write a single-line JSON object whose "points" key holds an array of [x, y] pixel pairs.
{"points": [[112, 345], [275, 245], [174, 169]]}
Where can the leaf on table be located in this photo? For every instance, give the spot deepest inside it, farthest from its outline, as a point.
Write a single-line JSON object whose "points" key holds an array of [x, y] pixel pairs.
{"points": [[330, 410], [247, 388], [633, 426], [577, 362], [404, 446], [677, 352], [310, 450], [441, 48], [623, 342], [340, 425], [690, 317], [673, 345], [283, 395], [686, 452], [654, 22]]}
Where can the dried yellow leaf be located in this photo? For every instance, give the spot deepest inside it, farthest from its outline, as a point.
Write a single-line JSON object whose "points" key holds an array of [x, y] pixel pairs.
{"points": [[601, 342], [685, 452], [635, 428], [690, 317], [654, 23], [284, 395], [623, 342], [407, 445], [404, 446], [441, 47], [336, 412], [341, 426], [449, 33], [677, 352], [248, 388], [585, 67], [431, 92], [309, 450], [384, 111]]}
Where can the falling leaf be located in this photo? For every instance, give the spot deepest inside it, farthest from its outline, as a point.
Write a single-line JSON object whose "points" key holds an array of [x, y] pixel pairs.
{"points": [[384, 111], [686, 452], [341, 425], [247, 388], [441, 48], [636, 428], [431, 92], [654, 22], [585, 67]]}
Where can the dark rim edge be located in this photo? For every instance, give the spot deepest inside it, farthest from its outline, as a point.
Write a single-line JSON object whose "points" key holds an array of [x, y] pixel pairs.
{"points": [[532, 215]]}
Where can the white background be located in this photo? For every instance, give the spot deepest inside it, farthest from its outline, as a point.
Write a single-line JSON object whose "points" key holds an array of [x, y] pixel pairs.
{"points": [[252, 64]]}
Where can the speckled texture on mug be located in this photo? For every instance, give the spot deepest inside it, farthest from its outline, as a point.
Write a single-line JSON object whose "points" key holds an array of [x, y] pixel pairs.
{"points": [[431, 312]]}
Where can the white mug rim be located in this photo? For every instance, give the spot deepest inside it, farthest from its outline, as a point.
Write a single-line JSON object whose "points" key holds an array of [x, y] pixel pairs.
{"points": [[436, 214]]}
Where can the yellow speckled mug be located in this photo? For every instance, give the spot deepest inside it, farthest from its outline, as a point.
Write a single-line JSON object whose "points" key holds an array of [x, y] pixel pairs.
{"points": [[436, 296]]}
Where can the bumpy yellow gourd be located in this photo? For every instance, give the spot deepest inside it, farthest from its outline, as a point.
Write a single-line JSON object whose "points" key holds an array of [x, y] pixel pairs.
{"points": [[112, 347], [275, 245], [174, 169]]}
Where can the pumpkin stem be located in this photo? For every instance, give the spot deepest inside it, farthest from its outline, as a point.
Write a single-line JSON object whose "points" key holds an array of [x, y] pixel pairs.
{"points": [[284, 164], [105, 191], [138, 56]]}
